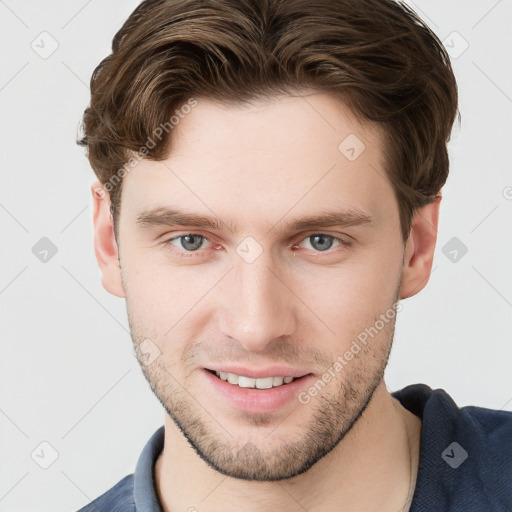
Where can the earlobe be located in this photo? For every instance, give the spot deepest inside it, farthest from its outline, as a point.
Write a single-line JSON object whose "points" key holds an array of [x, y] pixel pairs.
{"points": [[105, 245], [419, 249]]}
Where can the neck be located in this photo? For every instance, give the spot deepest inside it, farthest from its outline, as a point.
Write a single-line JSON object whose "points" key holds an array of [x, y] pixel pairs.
{"points": [[372, 468]]}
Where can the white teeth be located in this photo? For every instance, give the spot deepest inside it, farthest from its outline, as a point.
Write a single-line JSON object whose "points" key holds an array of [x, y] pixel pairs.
{"points": [[232, 378], [248, 382], [265, 383]]}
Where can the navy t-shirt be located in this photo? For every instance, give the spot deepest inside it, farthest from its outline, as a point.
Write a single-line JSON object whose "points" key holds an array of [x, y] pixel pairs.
{"points": [[465, 460]]}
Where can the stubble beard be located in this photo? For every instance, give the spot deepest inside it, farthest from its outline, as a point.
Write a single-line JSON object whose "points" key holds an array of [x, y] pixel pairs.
{"points": [[333, 413]]}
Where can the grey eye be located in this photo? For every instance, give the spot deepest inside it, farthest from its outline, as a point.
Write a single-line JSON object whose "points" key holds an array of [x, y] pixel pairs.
{"points": [[321, 242], [190, 242]]}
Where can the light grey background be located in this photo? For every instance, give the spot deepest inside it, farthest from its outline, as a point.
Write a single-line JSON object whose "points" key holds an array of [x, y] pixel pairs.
{"points": [[68, 374]]}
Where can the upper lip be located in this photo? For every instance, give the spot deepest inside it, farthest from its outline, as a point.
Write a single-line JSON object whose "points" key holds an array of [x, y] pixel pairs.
{"points": [[259, 373]]}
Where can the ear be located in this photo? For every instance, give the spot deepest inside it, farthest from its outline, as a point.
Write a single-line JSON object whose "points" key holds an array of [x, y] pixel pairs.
{"points": [[419, 249], [105, 245]]}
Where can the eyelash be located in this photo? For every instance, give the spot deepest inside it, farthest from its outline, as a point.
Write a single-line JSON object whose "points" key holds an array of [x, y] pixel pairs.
{"points": [[188, 254]]}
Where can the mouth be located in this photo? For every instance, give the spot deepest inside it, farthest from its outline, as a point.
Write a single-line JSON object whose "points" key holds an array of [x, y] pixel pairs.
{"points": [[266, 390], [261, 383]]}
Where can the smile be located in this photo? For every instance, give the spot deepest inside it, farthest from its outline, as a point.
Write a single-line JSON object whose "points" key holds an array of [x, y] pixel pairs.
{"points": [[248, 382]]}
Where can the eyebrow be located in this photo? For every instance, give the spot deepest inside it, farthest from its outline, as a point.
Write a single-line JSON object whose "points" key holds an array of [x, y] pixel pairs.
{"points": [[168, 216]]}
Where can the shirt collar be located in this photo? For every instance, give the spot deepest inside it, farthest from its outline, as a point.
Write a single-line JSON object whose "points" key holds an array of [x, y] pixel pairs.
{"points": [[144, 488]]}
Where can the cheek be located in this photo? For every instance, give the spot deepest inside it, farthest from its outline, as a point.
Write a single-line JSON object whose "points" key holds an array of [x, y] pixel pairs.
{"points": [[350, 304], [150, 298], [350, 294], [166, 304]]}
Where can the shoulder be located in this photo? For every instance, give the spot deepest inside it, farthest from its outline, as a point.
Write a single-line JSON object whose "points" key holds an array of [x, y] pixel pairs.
{"points": [[489, 433], [465, 453], [478, 457], [138, 487], [117, 499], [481, 427], [437, 409], [485, 434]]}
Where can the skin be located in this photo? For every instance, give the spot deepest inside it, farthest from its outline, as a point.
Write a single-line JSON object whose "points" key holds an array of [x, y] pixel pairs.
{"points": [[256, 167]]}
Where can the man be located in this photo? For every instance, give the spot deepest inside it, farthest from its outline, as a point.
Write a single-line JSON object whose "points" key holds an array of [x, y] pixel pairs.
{"points": [[269, 178]]}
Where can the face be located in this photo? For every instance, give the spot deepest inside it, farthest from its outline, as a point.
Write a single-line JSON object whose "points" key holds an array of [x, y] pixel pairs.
{"points": [[266, 288]]}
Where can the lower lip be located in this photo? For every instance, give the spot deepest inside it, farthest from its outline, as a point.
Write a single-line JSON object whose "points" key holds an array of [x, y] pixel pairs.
{"points": [[257, 400]]}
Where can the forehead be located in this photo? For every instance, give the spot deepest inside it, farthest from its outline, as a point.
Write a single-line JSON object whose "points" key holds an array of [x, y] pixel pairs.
{"points": [[291, 153]]}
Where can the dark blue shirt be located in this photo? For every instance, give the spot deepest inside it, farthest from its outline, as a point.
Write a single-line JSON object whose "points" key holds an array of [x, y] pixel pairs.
{"points": [[465, 460]]}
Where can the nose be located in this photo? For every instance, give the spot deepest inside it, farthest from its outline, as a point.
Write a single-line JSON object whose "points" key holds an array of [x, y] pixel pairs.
{"points": [[258, 305]]}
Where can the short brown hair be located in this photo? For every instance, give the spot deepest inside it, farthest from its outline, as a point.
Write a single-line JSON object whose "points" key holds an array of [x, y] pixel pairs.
{"points": [[378, 56]]}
